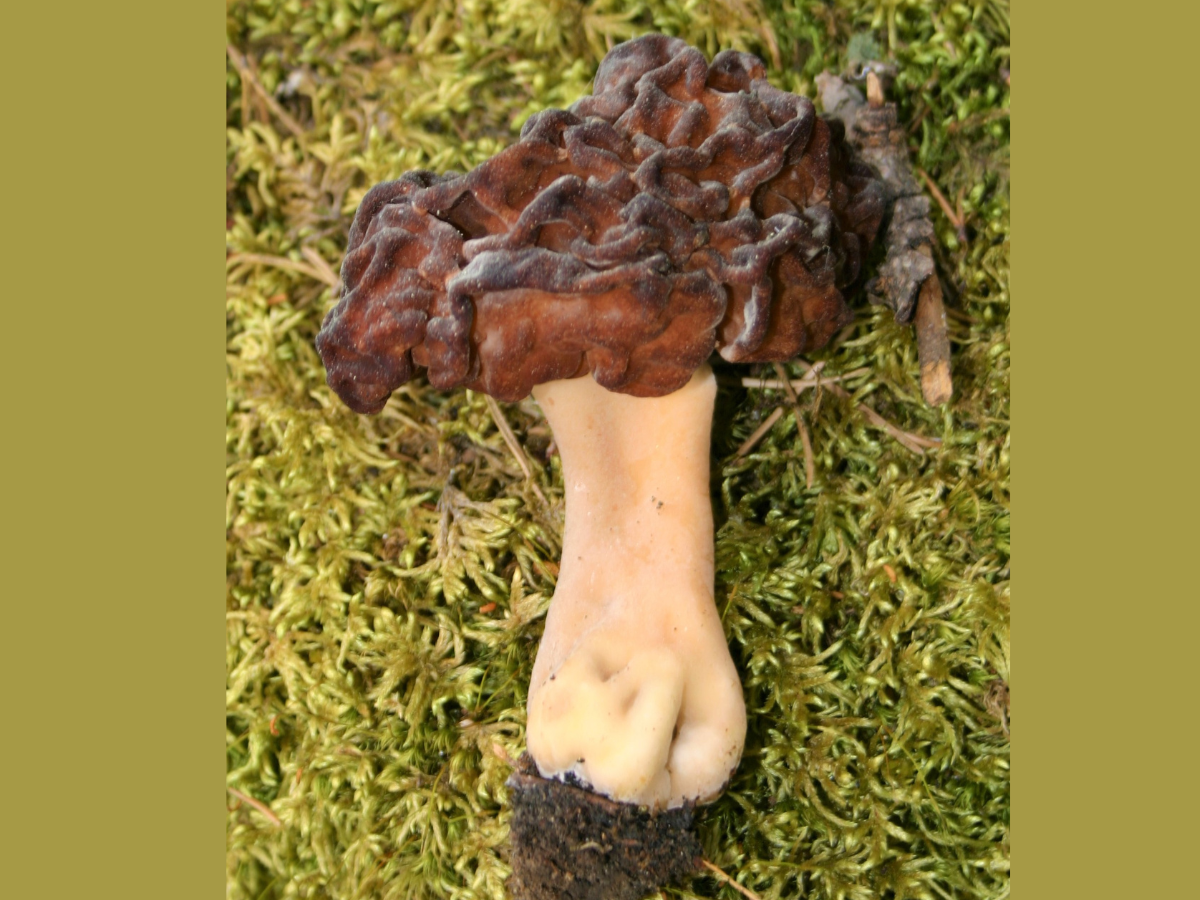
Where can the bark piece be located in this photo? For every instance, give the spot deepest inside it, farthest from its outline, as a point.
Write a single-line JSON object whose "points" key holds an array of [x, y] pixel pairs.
{"points": [[907, 281], [908, 264]]}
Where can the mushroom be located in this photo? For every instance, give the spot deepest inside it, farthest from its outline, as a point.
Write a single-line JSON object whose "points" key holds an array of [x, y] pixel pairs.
{"points": [[683, 208]]}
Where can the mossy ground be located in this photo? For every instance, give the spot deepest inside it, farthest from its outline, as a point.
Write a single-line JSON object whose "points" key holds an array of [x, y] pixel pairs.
{"points": [[387, 576]]}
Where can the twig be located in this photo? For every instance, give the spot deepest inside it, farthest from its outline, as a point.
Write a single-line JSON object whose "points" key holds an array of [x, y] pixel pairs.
{"points": [[511, 439], [247, 76], [874, 129], [282, 262], [805, 439], [914, 442], [721, 876], [319, 263], [933, 343], [801, 384], [874, 90], [507, 433], [761, 430], [955, 220], [257, 804]]}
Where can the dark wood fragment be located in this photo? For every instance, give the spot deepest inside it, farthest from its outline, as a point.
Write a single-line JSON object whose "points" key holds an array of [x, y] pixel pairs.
{"points": [[907, 281], [933, 343]]}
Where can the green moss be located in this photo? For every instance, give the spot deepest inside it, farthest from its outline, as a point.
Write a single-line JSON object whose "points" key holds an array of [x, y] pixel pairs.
{"points": [[370, 678]]}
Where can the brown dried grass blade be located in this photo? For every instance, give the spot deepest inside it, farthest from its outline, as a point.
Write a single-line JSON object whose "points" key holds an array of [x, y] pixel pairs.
{"points": [[801, 426], [511, 440], [759, 432], [721, 876], [258, 805], [247, 75], [282, 262]]}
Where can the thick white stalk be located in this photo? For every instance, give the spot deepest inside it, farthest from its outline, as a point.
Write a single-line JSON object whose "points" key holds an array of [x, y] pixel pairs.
{"points": [[633, 689]]}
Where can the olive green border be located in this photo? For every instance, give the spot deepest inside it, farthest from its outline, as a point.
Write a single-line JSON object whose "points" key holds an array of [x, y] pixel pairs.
{"points": [[114, 390], [1104, 335]]}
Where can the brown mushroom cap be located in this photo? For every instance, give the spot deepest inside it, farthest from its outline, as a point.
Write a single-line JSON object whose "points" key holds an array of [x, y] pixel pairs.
{"points": [[683, 207]]}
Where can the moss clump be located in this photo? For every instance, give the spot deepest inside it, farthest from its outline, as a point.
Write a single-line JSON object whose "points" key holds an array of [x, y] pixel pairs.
{"points": [[386, 576]]}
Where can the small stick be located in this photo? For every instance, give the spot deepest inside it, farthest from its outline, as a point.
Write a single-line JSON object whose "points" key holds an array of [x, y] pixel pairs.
{"points": [[511, 439], [913, 442], [328, 275], [801, 384], [933, 343], [907, 439], [874, 90], [959, 226], [761, 430], [805, 439], [815, 373], [876, 133], [257, 804], [282, 262], [721, 876], [244, 73]]}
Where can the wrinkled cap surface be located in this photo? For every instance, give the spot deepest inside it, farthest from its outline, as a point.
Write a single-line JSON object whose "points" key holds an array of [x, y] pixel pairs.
{"points": [[684, 207]]}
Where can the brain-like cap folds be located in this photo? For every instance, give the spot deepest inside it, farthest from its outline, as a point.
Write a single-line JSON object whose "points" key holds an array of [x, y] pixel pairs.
{"points": [[683, 207]]}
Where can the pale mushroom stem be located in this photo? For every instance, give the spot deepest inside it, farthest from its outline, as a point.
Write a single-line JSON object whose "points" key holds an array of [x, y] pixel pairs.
{"points": [[633, 690]]}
